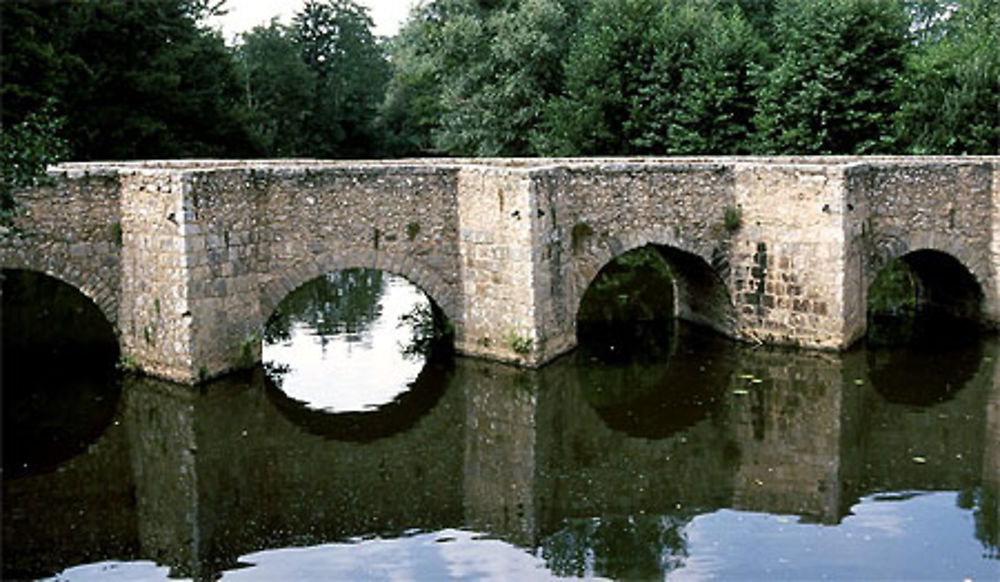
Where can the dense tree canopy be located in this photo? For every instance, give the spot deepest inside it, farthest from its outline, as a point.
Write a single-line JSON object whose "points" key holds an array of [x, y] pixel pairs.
{"points": [[143, 79], [831, 90]]}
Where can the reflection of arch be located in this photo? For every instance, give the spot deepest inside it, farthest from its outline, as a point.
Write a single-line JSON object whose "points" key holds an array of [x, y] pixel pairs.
{"points": [[396, 417], [701, 296], [59, 373], [923, 375], [423, 277], [656, 398], [87, 282]]}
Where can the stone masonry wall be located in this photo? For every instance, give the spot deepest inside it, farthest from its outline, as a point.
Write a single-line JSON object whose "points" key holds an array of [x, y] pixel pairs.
{"points": [[155, 317], [69, 227], [401, 219], [496, 215], [788, 260], [904, 207], [589, 214], [189, 258]]}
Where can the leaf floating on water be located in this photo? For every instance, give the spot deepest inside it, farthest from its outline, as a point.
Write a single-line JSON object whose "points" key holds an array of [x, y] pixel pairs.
{"points": [[741, 392], [746, 376], [756, 381], [859, 382], [920, 460]]}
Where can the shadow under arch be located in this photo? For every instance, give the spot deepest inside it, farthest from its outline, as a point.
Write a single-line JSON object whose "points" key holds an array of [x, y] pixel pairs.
{"points": [[924, 323], [61, 386], [346, 303], [93, 286], [652, 284], [697, 293]]}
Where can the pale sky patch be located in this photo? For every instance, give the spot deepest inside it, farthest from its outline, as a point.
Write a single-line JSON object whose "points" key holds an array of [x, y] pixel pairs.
{"points": [[243, 15]]}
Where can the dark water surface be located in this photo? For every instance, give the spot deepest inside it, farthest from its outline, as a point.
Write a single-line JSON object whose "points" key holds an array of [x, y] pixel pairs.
{"points": [[693, 459]]}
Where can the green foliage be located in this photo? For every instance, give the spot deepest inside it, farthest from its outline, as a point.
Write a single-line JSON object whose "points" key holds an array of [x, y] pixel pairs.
{"points": [[832, 90], [431, 330], [248, 349], [335, 42], [579, 234], [132, 79], [26, 149], [671, 77], [473, 78], [700, 90], [127, 363], [950, 93], [732, 218], [607, 63], [279, 89], [124, 79], [519, 344], [635, 286], [894, 292]]}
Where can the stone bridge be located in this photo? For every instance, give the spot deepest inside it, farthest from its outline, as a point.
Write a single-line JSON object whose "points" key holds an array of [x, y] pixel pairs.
{"points": [[188, 259]]}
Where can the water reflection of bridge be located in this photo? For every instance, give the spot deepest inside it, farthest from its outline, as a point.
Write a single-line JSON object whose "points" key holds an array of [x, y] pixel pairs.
{"points": [[196, 479]]}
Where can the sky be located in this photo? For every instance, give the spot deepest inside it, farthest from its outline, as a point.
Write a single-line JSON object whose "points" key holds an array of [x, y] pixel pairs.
{"points": [[243, 15]]}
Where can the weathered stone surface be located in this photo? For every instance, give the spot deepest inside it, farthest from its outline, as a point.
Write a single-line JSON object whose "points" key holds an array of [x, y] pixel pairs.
{"points": [[189, 258]]}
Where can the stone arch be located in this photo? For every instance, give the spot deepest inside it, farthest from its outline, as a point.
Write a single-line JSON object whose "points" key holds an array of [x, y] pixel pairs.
{"points": [[701, 295], [945, 282], [89, 283], [974, 262], [414, 271]]}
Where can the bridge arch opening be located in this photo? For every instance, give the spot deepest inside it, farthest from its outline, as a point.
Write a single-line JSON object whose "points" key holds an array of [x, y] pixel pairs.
{"points": [[924, 323], [61, 385], [633, 303], [355, 341], [925, 296]]}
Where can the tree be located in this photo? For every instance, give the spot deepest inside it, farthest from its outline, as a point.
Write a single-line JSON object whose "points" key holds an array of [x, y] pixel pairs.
{"points": [[132, 79], [494, 104], [832, 90], [335, 42], [26, 149], [279, 90], [697, 98], [604, 72], [951, 87]]}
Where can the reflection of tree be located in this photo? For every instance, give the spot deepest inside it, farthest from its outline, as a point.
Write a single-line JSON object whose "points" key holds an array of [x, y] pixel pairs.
{"points": [[634, 547], [344, 302], [431, 332], [985, 506]]}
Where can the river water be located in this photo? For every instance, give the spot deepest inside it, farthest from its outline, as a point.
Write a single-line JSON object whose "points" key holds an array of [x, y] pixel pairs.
{"points": [[354, 453]]}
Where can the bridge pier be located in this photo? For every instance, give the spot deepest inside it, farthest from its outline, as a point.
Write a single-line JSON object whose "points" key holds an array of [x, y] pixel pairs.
{"points": [[188, 259]]}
